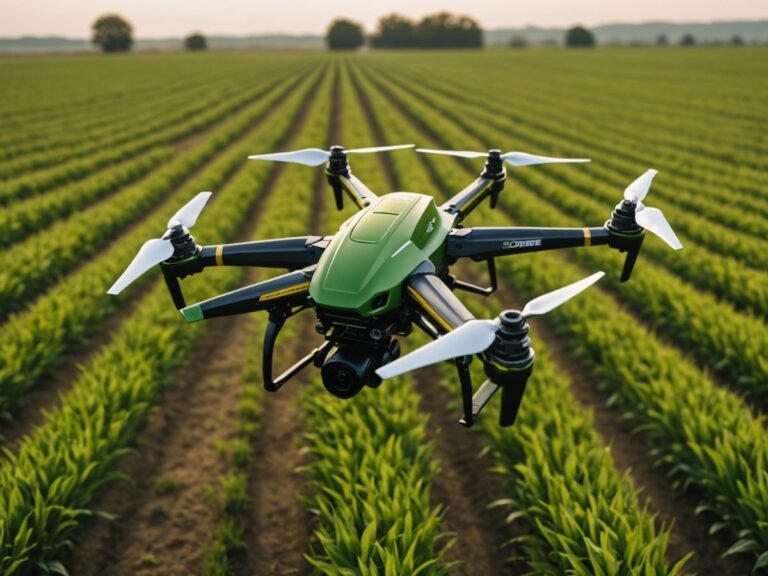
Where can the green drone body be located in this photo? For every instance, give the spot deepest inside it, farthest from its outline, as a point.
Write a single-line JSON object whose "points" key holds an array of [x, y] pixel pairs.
{"points": [[386, 270]]}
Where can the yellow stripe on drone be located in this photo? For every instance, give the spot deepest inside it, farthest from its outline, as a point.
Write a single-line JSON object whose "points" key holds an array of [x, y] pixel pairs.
{"points": [[587, 237], [285, 292], [431, 311], [220, 255]]}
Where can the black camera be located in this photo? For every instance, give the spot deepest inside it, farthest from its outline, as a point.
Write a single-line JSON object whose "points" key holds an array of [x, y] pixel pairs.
{"points": [[348, 368]]}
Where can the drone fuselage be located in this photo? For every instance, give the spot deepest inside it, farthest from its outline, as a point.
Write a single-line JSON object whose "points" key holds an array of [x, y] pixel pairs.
{"points": [[364, 267]]}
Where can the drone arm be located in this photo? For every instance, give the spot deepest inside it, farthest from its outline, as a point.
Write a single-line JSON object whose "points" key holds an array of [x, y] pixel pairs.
{"points": [[346, 182], [490, 183], [290, 253], [485, 243], [290, 289]]}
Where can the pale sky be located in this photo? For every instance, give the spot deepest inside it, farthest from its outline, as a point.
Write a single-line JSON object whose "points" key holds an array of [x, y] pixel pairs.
{"points": [[157, 18]]}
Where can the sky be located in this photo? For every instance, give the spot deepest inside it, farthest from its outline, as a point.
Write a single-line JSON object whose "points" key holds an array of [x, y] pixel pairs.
{"points": [[162, 18]]}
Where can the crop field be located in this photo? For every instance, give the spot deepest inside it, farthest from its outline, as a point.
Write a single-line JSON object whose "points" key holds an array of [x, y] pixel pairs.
{"points": [[135, 443]]}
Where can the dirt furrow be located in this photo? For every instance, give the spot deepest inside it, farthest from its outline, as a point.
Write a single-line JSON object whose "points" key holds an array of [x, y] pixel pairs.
{"points": [[279, 527], [164, 520]]}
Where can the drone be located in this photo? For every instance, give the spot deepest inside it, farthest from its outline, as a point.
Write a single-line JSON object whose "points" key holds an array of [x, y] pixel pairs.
{"points": [[387, 269]]}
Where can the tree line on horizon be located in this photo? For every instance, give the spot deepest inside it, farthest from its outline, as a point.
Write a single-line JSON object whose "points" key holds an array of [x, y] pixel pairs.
{"points": [[440, 30]]}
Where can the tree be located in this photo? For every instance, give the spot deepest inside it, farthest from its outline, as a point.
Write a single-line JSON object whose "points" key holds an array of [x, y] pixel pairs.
{"points": [[579, 37], [662, 40], [113, 33], [395, 31], [344, 35], [688, 40], [737, 40], [195, 41], [446, 30]]}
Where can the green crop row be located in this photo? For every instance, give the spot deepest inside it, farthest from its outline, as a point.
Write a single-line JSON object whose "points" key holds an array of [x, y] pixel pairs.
{"points": [[585, 518], [36, 340], [46, 488], [671, 135], [108, 103], [43, 180], [27, 217], [703, 433], [731, 343], [693, 212], [37, 263], [166, 110]]}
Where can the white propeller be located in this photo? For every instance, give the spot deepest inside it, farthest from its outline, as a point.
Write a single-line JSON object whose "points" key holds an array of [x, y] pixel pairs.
{"points": [[158, 250], [316, 156], [650, 218], [476, 336], [512, 158]]}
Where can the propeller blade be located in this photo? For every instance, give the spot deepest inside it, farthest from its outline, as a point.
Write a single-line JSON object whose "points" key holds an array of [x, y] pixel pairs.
{"points": [[472, 337], [459, 153], [524, 159], [653, 219], [552, 300], [638, 190], [306, 156], [188, 214], [378, 149], [153, 252]]}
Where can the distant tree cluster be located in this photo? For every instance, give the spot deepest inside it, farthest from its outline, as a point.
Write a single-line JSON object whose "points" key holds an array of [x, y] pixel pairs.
{"points": [[112, 33], [441, 30], [195, 42], [579, 37]]}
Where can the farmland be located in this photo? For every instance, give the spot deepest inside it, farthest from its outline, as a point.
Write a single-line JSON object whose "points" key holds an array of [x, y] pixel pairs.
{"points": [[135, 443]]}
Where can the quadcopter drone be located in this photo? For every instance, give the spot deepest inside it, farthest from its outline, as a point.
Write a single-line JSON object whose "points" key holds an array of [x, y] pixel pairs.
{"points": [[387, 269]]}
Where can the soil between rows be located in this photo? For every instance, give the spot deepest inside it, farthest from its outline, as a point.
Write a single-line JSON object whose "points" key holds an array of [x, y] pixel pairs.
{"points": [[164, 520]]}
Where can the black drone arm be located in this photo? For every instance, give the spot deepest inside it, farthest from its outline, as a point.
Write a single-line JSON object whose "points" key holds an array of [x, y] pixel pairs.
{"points": [[489, 183], [487, 243], [341, 180], [287, 290], [290, 253]]}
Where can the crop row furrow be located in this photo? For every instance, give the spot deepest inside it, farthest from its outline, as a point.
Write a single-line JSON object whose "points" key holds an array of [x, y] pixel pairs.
{"points": [[35, 341], [48, 485], [31, 266], [28, 217], [733, 146], [44, 180], [164, 113], [552, 124]]}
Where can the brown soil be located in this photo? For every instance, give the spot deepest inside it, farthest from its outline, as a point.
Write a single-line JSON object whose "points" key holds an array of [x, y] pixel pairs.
{"points": [[466, 486], [278, 526], [164, 521], [630, 452], [45, 395]]}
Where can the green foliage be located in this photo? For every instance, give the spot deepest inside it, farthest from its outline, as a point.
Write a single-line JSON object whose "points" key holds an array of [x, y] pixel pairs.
{"points": [[344, 35], [446, 30], [112, 33], [579, 37], [195, 42]]}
